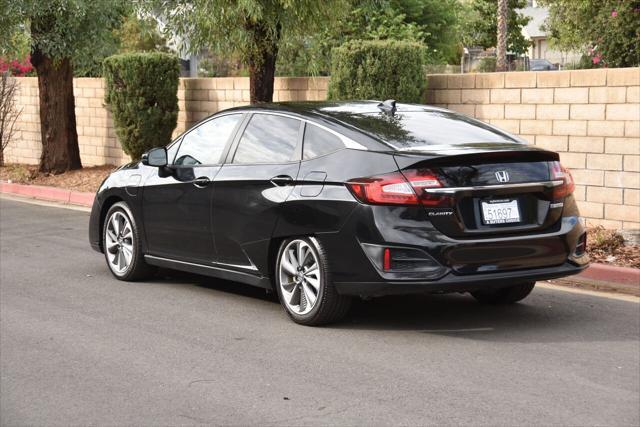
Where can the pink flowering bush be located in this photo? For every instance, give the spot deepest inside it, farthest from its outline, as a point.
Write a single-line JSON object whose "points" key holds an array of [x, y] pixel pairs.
{"points": [[16, 67], [606, 30]]}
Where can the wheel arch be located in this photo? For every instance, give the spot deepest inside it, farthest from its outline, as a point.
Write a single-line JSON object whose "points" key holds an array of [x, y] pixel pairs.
{"points": [[106, 205]]}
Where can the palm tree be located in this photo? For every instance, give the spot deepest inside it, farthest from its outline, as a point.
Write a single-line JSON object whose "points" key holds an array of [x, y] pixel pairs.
{"points": [[501, 48]]}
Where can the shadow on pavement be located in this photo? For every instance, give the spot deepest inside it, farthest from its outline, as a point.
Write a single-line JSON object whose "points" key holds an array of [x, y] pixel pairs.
{"points": [[546, 316]]}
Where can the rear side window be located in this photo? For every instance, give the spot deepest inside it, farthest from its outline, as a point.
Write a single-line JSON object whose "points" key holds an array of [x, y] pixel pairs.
{"points": [[204, 144], [318, 142], [268, 139]]}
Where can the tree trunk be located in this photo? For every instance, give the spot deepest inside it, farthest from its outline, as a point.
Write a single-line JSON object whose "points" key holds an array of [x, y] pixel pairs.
{"points": [[262, 71], [501, 48], [262, 62], [60, 151]]}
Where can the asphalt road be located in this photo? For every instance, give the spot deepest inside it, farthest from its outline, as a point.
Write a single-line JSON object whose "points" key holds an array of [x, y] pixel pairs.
{"points": [[79, 347]]}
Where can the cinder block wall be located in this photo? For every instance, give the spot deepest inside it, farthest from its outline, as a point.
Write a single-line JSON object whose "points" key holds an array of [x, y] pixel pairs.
{"points": [[591, 117], [197, 99]]}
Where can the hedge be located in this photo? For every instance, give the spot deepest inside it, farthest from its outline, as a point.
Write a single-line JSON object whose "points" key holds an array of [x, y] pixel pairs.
{"points": [[378, 69], [142, 97]]}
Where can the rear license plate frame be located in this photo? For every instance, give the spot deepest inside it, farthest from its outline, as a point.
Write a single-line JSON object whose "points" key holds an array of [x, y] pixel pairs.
{"points": [[513, 215]]}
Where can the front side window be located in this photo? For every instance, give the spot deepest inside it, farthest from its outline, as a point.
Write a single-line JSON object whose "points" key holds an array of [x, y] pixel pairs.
{"points": [[318, 142], [204, 144], [268, 139]]}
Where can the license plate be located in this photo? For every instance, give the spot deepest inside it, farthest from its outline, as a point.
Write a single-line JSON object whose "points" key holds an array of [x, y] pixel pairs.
{"points": [[500, 212]]}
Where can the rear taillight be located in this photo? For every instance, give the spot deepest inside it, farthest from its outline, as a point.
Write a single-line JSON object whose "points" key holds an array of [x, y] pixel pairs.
{"points": [[559, 172], [407, 188]]}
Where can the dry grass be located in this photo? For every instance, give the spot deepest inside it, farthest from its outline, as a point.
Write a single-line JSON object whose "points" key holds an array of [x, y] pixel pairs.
{"points": [[86, 179], [607, 247]]}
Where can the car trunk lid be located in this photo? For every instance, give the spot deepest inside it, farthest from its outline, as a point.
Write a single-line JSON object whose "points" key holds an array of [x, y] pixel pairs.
{"points": [[491, 190]]}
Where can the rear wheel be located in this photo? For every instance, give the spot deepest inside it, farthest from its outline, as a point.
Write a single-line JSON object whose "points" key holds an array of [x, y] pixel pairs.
{"points": [[122, 245], [304, 285], [508, 295]]}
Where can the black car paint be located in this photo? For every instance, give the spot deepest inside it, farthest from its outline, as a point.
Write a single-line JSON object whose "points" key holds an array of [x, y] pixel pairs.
{"points": [[231, 226]]}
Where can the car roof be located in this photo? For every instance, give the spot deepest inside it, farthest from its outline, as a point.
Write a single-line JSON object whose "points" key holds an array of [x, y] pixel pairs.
{"points": [[340, 116], [333, 108]]}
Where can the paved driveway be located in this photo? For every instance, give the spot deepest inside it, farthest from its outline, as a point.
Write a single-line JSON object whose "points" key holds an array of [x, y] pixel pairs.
{"points": [[79, 347]]}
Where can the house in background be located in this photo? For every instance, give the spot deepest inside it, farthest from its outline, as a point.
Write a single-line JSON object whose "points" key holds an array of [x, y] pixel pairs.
{"points": [[540, 48]]}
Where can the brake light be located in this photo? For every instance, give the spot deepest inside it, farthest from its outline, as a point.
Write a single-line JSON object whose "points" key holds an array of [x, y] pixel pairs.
{"points": [[407, 188], [386, 262], [559, 172]]}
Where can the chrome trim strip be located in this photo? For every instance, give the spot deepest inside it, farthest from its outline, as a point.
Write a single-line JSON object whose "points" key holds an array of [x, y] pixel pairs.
{"points": [[451, 190], [246, 267], [214, 266]]}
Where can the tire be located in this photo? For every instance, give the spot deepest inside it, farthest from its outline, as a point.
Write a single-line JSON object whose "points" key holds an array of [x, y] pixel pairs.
{"points": [[297, 287], [118, 242], [509, 295]]}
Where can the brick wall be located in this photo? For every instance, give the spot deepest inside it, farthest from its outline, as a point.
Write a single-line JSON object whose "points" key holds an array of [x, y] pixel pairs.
{"points": [[197, 98], [591, 117]]}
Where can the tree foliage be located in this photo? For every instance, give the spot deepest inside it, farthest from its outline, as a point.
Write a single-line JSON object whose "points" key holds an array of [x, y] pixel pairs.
{"points": [[142, 96], [432, 22], [65, 27], [58, 31], [252, 30], [608, 31], [480, 28], [140, 35], [378, 69]]}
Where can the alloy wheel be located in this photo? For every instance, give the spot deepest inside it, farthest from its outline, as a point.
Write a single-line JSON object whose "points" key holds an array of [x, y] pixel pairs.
{"points": [[300, 278], [119, 242]]}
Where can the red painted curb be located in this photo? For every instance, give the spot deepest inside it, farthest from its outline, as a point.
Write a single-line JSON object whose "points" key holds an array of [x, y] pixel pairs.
{"points": [[612, 273], [51, 194]]}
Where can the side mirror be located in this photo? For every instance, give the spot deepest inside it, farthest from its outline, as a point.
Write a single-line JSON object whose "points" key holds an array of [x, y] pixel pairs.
{"points": [[155, 157]]}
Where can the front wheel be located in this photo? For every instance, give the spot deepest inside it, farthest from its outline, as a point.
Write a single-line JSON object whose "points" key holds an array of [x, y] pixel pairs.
{"points": [[122, 245], [304, 285], [508, 295]]}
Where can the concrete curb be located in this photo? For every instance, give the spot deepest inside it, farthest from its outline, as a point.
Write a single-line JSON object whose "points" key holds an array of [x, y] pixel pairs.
{"points": [[50, 194], [612, 274]]}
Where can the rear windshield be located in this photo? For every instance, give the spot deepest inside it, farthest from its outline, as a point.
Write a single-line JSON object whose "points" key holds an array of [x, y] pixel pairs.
{"points": [[414, 129]]}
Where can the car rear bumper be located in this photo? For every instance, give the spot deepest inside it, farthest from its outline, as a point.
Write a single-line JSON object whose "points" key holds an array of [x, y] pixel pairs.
{"points": [[458, 283], [460, 265]]}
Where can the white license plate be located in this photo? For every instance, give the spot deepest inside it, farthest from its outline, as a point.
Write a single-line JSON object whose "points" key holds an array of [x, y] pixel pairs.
{"points": [[500, 212]]}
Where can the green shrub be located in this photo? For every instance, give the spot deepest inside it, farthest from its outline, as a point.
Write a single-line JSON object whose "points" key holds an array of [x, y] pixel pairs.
{"points": [[486, 65], [378, 69], [142, 96]]}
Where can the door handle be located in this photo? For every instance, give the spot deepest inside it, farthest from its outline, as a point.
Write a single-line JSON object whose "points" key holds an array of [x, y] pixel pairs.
{"points": [[201, 181], [281, 180]]}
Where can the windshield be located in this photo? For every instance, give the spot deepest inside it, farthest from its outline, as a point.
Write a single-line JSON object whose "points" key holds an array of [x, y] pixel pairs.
{"points": [[413, 129]]}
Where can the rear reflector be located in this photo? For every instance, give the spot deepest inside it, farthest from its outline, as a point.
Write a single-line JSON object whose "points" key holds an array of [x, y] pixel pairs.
{"points": [[407, 188], [559, 172], [581, 247], [386, 262]]}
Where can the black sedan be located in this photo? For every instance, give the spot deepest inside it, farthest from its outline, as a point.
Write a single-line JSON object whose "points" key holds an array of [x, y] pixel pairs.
{"points": [[325, 201]]}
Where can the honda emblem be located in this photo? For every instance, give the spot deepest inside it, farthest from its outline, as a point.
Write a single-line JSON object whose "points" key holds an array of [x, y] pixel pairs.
{"points": [[502, 176]]}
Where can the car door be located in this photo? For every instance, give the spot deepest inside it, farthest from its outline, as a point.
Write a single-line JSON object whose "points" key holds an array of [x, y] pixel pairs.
{"points": [[177, 200], [249, 190]]}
